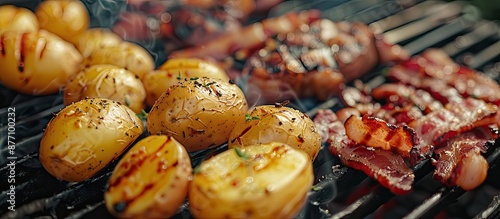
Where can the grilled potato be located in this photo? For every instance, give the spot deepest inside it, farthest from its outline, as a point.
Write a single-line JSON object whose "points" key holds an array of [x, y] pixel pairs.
{"points": [[85, 136], [94, 39], [259, 181], [198, 112], [151, 180], [36, 63], [175, 70], [125, 55], [17, 19], [106, 81], [64, 18], [268, 123]]}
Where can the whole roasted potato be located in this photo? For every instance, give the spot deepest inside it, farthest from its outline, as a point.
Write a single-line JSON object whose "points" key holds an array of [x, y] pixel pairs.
{"points": [[198, 112], [94, 39], [106, 81], [17, 19], [259, 181], [151, 180], [125, 55], [36, 63], [86, 136], [269, 123], [175, 70], [64, 18]]}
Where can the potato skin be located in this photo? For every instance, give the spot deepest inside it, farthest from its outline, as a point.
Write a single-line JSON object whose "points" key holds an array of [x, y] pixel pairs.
{"points": [[64, 18], [151, 180], [17, 19], [106, 81], [125, 55], [94, 39], [199, 113], [261, 181], [36, 63], [175, 70], [85, 136], [268, 123]]}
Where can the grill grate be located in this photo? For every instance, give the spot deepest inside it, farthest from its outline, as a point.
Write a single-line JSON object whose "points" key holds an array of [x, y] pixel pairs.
{"points": [[455, 27]]}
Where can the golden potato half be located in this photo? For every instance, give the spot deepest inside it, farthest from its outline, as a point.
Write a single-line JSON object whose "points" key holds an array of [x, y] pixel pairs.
{"points": [[151, 180], [175, 70], [36, 63], [106, 81], [86, 136], [198, 112], [17, 19], [259, 181], [269, 123], [64, 18]]}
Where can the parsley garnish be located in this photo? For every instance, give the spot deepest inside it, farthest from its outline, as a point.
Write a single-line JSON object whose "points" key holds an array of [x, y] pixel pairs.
{"points": [[179, 76], [143, 115], [241, 154], [248, 117]]}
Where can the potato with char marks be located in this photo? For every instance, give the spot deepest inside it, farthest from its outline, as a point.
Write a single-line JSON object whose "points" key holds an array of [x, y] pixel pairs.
{"points": [[198, 112], [268, 123], [86, 136], [151, 180], [36, 63], [259, 181]]}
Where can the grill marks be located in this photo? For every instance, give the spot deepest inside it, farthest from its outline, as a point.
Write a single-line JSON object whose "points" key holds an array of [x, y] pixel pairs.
{"points": [[21, 52], [386, 167], [2, 45]]}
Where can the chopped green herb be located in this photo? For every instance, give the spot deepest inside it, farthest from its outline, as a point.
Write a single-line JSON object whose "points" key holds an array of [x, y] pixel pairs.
{"points": [[241, 154], [179, 76], [248, 117], [194, 78], [385, 71], [143, 115], [127, 101], [197, 169], [208, 84], [316, 188]]}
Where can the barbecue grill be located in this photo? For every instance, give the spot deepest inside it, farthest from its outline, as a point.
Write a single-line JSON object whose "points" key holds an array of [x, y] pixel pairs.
{"points": [[339, 191]]}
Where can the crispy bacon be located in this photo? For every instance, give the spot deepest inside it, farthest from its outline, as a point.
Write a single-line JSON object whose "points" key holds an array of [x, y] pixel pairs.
{"points": [[459, 161], [435, 64], [402, 95], [389, 169], [374, 132], [457, 117]]}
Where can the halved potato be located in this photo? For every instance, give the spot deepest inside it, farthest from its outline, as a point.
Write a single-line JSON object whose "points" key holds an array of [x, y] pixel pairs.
{"points": [[151, 180], [258, 181]]}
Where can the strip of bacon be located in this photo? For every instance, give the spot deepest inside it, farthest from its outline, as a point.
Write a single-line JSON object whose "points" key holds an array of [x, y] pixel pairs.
{"points": [[457, 117], [389, 169], [459, 161]]}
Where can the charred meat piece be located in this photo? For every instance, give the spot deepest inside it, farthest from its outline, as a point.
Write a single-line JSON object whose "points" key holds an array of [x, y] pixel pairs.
{"points": [[314, 60], [459, 160], [435, 64], [389, 169]]}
